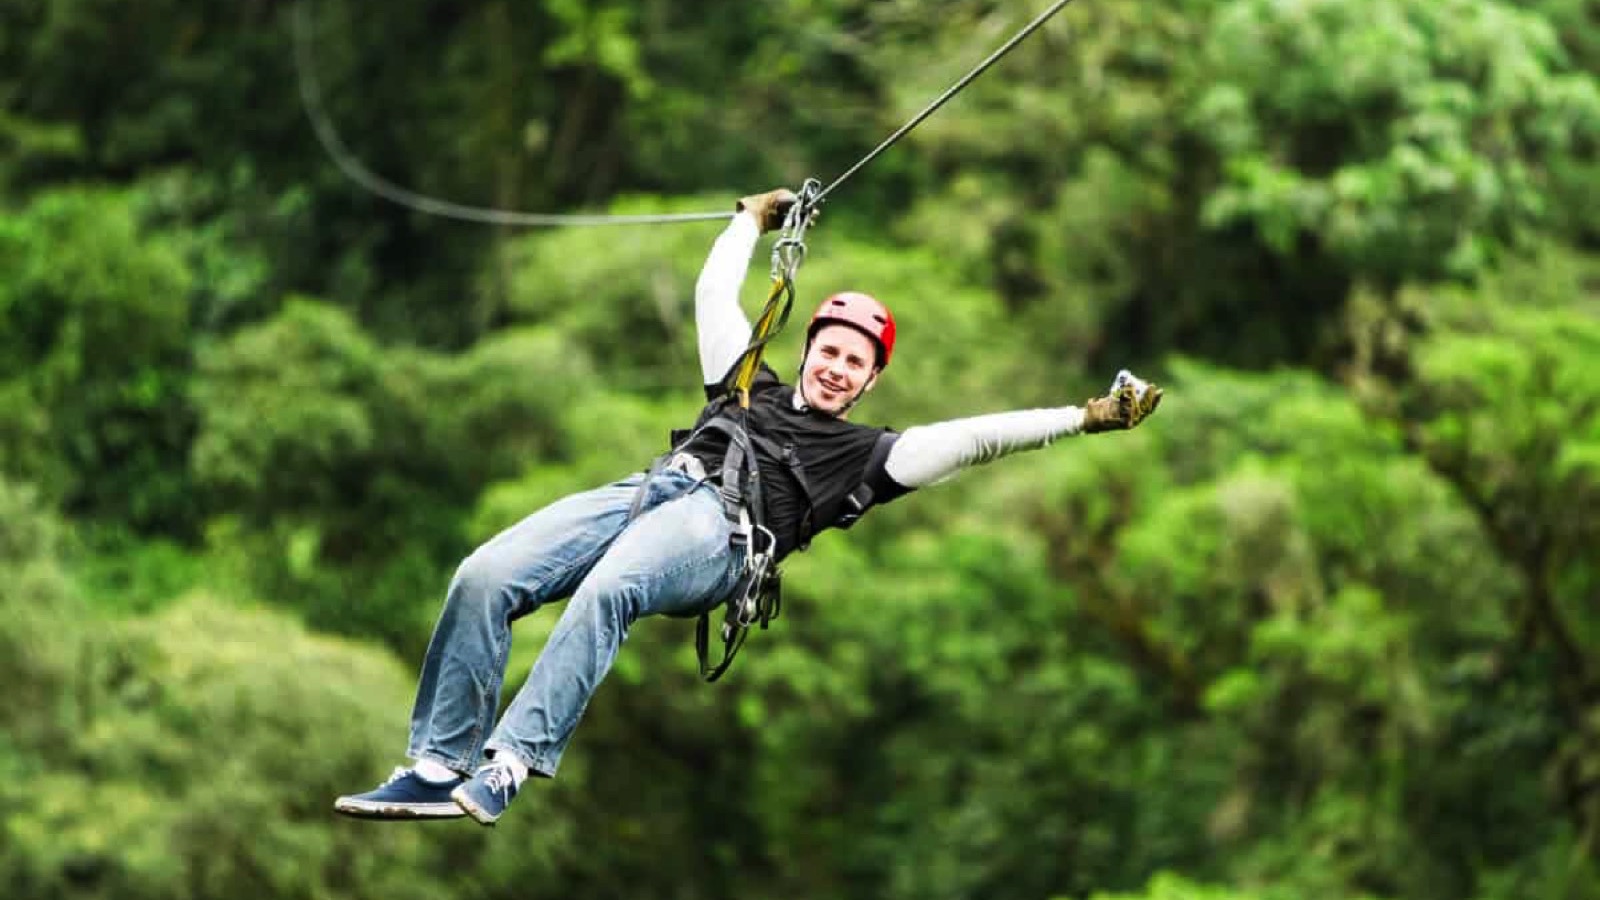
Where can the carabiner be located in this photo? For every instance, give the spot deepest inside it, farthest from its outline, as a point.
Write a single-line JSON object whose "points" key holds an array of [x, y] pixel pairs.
{"points": [[789, 251]]}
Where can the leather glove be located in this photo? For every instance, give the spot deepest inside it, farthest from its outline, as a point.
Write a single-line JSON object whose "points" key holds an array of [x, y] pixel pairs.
{"points": [[1129, 402], [769, 208]]}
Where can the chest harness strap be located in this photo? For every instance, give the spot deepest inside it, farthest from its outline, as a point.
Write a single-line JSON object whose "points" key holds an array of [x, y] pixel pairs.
{"points": [[756, 597]]}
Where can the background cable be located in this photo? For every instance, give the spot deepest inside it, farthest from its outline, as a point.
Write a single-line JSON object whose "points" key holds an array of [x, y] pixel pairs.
{"points": [[328, 137]]}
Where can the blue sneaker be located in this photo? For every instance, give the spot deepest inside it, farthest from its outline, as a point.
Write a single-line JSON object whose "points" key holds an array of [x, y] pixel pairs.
{"points": [[406, 795], [487, 793]]}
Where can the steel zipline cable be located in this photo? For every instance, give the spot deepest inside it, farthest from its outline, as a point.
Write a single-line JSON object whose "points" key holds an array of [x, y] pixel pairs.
{"points": [[954, 89], [328, 136]]}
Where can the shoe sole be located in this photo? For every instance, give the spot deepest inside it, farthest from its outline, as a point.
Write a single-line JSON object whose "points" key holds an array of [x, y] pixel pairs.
{"points": [[465, 804], [370, 809]]}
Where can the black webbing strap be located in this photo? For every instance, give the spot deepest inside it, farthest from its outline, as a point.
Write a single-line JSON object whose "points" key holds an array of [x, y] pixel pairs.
{"points": [[786, 454], [740, 482], [757, 596], [732, 640], [680, 439], [644, 486], [859, 500]]}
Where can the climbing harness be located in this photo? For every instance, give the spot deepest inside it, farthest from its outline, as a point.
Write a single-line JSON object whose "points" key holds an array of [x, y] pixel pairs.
{"points": [[757, 596]]}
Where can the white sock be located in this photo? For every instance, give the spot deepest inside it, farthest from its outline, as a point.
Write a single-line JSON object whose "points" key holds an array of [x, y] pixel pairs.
{"points": [[519, 769], [428, 770]]}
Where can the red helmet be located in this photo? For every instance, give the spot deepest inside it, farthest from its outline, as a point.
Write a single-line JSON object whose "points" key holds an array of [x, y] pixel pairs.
{"points": [[861, 312]]}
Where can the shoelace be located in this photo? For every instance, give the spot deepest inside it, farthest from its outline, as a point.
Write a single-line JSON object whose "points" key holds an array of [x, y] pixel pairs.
{"points": [[500, 780], [398, 773]]}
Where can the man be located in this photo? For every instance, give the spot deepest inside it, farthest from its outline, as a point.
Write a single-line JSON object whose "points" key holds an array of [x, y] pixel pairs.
{"points": [[663, 544]]}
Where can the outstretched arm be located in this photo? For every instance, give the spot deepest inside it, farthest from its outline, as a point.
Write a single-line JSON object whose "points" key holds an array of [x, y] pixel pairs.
{"points": [[723, 330], [926, 454], [722, 327]]}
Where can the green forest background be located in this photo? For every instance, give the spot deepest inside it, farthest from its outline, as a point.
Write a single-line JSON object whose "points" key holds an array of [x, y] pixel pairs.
{"points": [[1327, 626]]}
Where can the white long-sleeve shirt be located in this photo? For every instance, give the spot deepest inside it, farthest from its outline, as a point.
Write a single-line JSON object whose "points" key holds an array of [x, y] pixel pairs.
{"points": [[923, 454]]}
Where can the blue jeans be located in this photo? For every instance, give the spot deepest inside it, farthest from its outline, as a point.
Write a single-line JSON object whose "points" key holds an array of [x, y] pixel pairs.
{"points": [[673, 559]]}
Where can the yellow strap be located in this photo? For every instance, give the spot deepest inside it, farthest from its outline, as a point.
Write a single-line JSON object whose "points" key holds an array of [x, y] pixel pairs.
{"points": [[746, 375]]}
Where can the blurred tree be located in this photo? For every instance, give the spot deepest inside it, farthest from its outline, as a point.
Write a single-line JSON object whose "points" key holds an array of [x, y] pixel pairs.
{"points": [[1167, 886], [94, 359], [1502, 400], [345, 466], [1216, 176]]}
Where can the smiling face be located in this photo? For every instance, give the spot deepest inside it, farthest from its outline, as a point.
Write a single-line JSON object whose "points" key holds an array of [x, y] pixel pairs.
{"points": [[840, 366]]}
